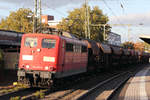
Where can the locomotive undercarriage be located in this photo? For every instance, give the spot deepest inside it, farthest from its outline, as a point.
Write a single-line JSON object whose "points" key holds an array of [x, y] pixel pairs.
{"points": [[35, 78]]}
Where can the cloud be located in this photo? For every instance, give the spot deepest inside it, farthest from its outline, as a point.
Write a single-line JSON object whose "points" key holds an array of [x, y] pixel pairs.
{"points": [[27, 3], [55, 7], [50, 3], [133, 19], [4, 8]]}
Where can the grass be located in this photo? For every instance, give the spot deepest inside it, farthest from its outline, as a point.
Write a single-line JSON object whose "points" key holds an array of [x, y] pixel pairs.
{"points": [[16, 88], [15, 98], [37, 95]]}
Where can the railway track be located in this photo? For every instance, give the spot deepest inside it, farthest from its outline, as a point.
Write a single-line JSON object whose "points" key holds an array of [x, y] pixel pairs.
{"points": [[79, 94], [22, 94], [74, 90], [19, 92], [103, 90], [11, 89], [7, 87], [27, 94], [106, 89], [80, 90], [84, 91]]}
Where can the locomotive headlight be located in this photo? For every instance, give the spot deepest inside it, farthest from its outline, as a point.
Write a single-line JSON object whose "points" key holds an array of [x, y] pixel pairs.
{"points": [[38, 50], [27, 66], [46, 68], [49, 68]]}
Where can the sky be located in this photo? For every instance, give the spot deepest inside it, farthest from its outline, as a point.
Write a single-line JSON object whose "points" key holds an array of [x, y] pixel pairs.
{"points": [[131, 16]]}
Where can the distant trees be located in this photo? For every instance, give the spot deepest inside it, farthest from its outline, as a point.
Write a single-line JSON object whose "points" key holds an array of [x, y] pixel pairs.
{"points": [[75, 23], [128, 45], [18, 21], [140, 46]]}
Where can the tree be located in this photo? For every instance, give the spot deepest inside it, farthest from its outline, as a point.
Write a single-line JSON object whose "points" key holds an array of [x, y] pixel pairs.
{"points": [[128, 45], [142, 46], [18, 21], [75, 23]]}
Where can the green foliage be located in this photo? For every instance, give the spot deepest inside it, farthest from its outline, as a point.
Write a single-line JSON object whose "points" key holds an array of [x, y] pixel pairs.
{"points": [[39, 94], [75, 23], [18, 21], [15, 98], [128, 45]]}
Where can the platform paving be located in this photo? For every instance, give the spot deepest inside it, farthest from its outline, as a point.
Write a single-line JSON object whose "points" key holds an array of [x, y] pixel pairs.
{"points": [[138, 87]]}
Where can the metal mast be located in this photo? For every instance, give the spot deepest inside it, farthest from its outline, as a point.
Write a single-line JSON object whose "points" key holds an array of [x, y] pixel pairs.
{"points": [[86, 20], [35, 17], [87, 28], [37, 14], [40, 13]]}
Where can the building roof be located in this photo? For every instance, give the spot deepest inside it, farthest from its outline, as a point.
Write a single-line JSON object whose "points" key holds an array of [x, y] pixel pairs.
{"points": [[145, 38]]}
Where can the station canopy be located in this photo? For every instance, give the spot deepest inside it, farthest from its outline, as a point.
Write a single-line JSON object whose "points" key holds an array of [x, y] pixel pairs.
{"points": [[145, 38]]}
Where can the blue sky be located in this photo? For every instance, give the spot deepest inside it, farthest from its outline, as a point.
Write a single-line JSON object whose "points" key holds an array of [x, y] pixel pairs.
{"points": [[133, 12]]}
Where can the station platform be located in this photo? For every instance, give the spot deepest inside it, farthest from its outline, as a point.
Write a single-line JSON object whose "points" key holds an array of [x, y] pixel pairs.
{"points": [[138, 87]]}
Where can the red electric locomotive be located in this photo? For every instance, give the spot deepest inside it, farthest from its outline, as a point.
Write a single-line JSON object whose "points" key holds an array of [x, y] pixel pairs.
{"points": [[45, 57]]}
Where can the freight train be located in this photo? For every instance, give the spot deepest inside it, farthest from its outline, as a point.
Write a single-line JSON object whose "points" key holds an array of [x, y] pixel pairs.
{"points": [[10, 40], [12, 36], [45, 58]]}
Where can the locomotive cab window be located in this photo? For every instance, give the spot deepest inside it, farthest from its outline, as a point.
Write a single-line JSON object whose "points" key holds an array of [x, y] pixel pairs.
{"points": [[69, 47], [48, 43], [77, 48], [30, 42], [84, 49]]}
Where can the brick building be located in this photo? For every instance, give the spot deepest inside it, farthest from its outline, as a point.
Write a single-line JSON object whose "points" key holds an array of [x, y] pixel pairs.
{"points": [[49, 19]]}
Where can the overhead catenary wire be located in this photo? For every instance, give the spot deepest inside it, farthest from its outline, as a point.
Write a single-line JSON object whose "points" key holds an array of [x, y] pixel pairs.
{"points": [[113, 13], [120, 24], [61, 13], [110, 9], [121, 3]]}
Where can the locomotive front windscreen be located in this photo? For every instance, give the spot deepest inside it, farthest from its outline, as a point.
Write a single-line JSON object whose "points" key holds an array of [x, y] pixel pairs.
{"points": [[48, 43], [45, 43], [31, 42]]}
